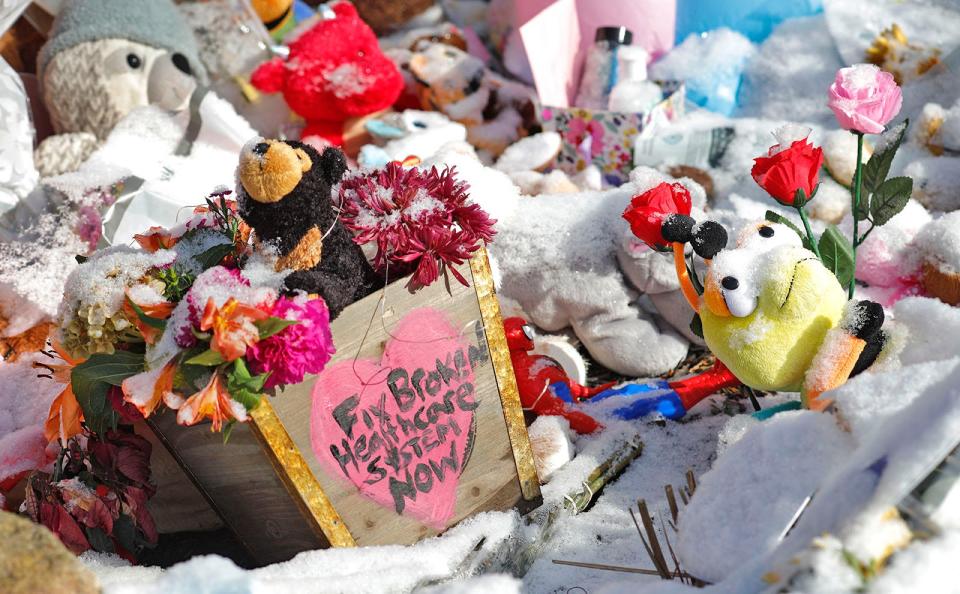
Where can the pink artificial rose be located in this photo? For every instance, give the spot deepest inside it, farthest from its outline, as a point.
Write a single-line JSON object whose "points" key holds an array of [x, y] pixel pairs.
{"points": [[864, 98]]}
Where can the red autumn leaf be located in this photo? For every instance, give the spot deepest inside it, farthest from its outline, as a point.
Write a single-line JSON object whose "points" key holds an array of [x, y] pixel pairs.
{"points": [[60, 522]]}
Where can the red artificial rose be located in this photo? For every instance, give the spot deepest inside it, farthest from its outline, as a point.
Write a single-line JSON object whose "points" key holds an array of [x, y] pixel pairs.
{"points": [[648, 210], [783, 172]]}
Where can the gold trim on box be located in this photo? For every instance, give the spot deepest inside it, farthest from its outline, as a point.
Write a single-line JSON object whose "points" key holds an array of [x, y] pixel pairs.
{"points": [[300, 483], [506, 381]]}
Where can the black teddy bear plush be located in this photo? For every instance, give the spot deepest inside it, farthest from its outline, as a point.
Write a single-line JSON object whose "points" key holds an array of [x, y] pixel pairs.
{"points": [[284, 194]]}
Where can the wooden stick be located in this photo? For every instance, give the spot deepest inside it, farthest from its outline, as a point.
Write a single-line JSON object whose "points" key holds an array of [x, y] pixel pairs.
{"points": [[608, 567], [691, 482], [683, 496], [642, 539], [672, 502], [658, 559]]}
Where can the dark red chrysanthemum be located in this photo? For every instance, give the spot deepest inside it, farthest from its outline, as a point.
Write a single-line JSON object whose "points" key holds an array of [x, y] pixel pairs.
{"points": [[420, 221]]}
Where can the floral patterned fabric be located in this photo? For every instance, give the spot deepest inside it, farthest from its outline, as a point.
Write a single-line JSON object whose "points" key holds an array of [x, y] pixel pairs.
{"points": [[606, 138]]}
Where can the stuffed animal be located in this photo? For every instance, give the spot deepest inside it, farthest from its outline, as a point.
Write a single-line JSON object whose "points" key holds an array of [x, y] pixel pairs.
{"points": [[544, 386], [409, 133], [334, 72], [495, 111], [771, 311], [103, 59], [284, 195], [555, 258]]}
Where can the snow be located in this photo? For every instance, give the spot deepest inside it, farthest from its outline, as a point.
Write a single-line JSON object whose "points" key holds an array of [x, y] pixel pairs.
{"points": [[749, 496], [97, 287], [939, 243], [565, 257], [533, 153], [790, 74], [711, 64], [24, 402]]}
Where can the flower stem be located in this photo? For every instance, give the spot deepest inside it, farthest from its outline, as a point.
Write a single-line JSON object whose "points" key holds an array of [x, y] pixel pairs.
{"points": [[856, 208], [806, 227]]}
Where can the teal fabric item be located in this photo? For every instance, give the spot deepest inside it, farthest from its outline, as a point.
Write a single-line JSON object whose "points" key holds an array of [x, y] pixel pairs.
{"points": [[754, 18], [156, 23], [763, 415]]}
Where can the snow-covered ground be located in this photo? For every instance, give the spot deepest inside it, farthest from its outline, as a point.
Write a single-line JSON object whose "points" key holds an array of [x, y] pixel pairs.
{"points": [[891, 426]]}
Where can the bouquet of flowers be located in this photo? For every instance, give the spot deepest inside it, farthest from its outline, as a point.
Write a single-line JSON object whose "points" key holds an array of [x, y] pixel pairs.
{"points": [[419, 220], [193, 320]]}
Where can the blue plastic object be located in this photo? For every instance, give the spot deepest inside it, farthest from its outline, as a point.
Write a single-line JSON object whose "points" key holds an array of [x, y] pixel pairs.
{"points": [[665, 405], [633, 389], [754, 18]]}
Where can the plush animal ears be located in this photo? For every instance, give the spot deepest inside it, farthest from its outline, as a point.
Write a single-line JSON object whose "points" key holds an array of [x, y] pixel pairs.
{"points": [[344, 9], [269, 76]]}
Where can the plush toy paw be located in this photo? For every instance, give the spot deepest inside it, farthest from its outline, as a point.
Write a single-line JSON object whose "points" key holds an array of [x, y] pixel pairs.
{"points": [[64, 153]]}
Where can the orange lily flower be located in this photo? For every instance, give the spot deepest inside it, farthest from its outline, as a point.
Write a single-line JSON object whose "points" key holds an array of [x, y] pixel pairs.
{"points": [[212, 402], [233, 327], [147, 390], [65, 415], [156, 238], [161, 311]]}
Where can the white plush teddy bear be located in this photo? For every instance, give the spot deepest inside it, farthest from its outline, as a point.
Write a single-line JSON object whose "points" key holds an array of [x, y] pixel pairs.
{"points": [[105, 58], [567, 261]]}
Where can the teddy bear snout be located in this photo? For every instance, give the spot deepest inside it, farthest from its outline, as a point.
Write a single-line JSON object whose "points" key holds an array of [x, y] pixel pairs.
{"points": [[171, 83]]}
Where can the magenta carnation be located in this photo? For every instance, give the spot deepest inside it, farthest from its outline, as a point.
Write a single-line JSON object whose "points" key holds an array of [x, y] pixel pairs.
{"points": [[298, 349], [421, 221]]}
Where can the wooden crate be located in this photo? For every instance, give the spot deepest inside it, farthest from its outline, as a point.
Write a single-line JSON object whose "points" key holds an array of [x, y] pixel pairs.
{"points": [[279, 497]]}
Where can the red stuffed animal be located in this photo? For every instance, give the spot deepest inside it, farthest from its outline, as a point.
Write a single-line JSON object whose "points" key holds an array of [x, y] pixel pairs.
{"points": [[542, 383], [335, 71]]}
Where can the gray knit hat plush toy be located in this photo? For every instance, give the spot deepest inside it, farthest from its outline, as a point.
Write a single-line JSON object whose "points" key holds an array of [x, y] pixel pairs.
{"points": [[105, 58]]}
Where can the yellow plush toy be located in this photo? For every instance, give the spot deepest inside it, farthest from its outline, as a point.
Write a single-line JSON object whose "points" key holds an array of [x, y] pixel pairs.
{"points": [[767, 307], [771, 312], [774, 314]]}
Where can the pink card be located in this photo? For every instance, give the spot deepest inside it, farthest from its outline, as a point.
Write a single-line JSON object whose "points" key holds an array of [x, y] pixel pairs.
{"points": [[557, 33]]}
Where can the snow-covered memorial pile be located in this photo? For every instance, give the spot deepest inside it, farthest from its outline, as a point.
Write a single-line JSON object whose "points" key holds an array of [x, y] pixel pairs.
{"points": [[479, 295]]}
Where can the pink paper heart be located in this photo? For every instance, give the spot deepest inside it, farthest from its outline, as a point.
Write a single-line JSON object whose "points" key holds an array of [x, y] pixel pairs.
{"points": [[401, 430]]}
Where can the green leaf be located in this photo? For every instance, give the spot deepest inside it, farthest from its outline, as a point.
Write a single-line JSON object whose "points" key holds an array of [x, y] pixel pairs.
{"points": [[91, 380], [190, 377], [228, 430], [99, 540], [837, 254], [213, 256], [208, 358], [149, 321], [111, 369], [272, 325], [777, 218], [878, 166], [243, 387], [126, 533], [890, 198], [696, 325]]}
